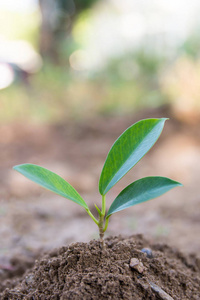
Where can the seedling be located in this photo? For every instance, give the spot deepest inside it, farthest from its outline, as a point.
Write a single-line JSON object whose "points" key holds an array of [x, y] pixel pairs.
{"points": [[125, 153]]}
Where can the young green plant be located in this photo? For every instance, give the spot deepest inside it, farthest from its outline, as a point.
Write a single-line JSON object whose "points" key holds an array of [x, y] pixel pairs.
{"points": [[125, 153]]}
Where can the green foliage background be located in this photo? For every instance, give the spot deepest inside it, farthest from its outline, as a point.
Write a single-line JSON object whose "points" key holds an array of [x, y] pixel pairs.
{"points": [[126, 83]]}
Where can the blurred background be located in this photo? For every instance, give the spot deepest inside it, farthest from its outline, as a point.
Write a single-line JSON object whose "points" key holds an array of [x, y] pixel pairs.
{"points": [[74, 75]]}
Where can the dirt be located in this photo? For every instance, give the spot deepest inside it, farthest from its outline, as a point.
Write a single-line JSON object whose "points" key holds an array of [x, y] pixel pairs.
{"points": [[86, 271]]}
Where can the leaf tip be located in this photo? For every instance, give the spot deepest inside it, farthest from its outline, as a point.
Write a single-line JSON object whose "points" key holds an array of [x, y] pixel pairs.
{"points": [[165, 119], [16, 167], [177, 183]]}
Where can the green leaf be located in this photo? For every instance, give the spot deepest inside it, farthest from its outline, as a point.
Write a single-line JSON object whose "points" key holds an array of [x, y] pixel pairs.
{"points": [[50, 181], [140, 191], [128, 149]]}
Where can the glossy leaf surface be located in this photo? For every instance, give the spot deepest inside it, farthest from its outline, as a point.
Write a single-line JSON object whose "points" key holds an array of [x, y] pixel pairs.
{"points": [[50, 181], [128, 149], [140, 191]]}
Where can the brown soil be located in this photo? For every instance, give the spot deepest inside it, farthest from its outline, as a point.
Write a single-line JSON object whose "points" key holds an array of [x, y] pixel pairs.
{"points": [[85, 271]]}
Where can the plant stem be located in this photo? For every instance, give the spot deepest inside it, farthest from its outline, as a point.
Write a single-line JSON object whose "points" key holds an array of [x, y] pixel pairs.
{"points": [[106, 224], [101, 221], [101, 232], [98, 210], [93, 218], [103, 205]]}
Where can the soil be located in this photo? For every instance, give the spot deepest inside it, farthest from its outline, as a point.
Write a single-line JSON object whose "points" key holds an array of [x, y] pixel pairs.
{"points": [[33, 220], [86, 271]]}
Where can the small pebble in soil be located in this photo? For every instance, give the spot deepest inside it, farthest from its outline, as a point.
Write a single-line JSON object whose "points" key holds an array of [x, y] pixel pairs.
{"points": [[29, 279], [137, 265], [160, 292], [148, 252]]}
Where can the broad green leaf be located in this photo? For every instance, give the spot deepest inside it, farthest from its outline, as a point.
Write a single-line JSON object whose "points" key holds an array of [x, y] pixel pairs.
{"points": [[50, 181], [140, 191], [128, 149]]}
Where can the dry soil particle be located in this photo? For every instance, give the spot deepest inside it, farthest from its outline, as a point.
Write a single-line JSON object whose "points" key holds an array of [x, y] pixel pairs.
{"points": [[85, 271]]}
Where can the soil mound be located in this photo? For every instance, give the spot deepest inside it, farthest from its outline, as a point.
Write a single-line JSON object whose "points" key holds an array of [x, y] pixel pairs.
{"points": [[85, 271]]}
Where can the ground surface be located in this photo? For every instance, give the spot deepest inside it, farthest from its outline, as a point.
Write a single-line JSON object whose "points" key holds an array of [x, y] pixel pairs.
{"points": [[124, 269], [32, 219]]}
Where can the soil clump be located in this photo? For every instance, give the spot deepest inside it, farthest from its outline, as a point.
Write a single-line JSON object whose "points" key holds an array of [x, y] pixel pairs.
{"points": [[85, 271]]}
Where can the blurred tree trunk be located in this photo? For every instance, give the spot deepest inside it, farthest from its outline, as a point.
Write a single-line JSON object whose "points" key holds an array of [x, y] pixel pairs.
{"points": [[57, 18], [52, 27]]}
